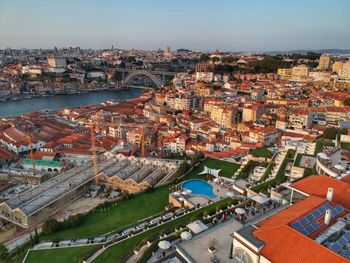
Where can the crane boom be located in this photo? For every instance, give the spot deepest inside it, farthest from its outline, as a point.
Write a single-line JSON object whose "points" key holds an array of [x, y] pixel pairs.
{"points": [[30, 142], [94, 157]]}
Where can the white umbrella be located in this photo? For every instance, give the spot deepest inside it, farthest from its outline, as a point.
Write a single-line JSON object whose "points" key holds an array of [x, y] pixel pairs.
{"points": [[184, 192], [189, 191], [181, 199], [164, 244], [177, 193], [230, 194], [240, 211], [186, 235]]}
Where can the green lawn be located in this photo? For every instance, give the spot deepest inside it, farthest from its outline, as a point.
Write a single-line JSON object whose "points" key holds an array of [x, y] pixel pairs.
{"points": [[321, 143], [59, 255], [126, 212], [345, 145], [249, 167], [280, 177], [227, 168], [117, 252], [261, 152]]}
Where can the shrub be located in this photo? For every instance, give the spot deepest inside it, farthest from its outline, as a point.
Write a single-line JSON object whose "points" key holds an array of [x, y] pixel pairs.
{"points": [[50, 226]]}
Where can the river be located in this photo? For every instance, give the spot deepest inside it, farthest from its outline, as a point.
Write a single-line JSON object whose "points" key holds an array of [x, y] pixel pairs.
{"points": [[58, 102]]}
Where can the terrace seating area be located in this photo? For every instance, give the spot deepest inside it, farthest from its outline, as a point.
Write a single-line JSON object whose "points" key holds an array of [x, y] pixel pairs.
{"points": [[331, 162]]}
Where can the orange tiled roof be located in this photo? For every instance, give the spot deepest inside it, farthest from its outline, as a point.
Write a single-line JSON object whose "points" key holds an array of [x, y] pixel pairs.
{"points": [[284, 244], [292, 213], [317, 185]]}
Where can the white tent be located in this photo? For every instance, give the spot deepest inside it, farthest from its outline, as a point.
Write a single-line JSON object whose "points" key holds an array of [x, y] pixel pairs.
{"points": [[260, 199], [186, 235], [164, 244], [323, 156], [213, 172], [240, 211], [339, 167], [230, 194], [197, 227]]}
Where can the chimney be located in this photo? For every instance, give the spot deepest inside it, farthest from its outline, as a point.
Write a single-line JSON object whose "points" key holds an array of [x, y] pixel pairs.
{"points": [[327, 216], [330, 194]]}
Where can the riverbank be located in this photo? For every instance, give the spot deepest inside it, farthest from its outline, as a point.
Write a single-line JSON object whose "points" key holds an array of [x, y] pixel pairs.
{"points": [[41, 95], [12, 108]]}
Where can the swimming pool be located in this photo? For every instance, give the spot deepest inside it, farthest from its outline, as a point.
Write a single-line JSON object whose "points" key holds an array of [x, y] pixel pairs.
{"points": [[199, 187]]}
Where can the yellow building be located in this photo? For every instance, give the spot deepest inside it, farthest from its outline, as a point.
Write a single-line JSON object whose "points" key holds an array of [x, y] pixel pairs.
{"points": [[324, 62], [284, 72], [224, 116], [337, 66], [345, 71], [301, 71]]}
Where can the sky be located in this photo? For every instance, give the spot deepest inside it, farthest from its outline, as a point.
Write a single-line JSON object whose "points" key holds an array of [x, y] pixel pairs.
{"points": [[227, 25]]}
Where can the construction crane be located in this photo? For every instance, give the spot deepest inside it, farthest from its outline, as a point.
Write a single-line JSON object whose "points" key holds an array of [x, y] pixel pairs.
{"points": [[142, 142], [30, 142], [94, 156]]}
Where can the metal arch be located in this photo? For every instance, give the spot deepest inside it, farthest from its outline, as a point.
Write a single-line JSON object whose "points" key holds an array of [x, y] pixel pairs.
{"points": [[145, 73]]}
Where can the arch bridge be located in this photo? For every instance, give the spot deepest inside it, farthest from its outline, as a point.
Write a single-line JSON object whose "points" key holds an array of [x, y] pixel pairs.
{"points": [[159, 83]]}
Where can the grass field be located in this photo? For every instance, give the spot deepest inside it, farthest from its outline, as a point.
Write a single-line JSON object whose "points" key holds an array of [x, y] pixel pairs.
{"points": [[126, 212], [262, 152], [345, 145], [249, 167], [227, 168], [321, 143], [117, 252], [59, 255], [280, 177]]}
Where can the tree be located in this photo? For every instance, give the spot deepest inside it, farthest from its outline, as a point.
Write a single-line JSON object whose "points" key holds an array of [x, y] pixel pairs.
{"points": [[330, 133], [4, 253], [36, 236], [347, 101], [50, 226], [215, 59], [204, 58]]}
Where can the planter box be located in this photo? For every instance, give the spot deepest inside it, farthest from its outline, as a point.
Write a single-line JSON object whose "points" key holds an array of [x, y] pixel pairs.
{"points": [[211, 249]]}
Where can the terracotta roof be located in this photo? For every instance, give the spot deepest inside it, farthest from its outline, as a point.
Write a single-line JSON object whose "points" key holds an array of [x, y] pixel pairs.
{"points": [[286, 245], [317, 185], [292, 213]]}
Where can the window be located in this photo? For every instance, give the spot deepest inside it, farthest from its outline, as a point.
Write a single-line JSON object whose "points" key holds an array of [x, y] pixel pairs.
{"points": [[242, 256]]}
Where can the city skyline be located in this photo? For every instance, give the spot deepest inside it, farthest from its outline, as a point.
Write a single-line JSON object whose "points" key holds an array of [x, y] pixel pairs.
{"points": [[199, 25]]}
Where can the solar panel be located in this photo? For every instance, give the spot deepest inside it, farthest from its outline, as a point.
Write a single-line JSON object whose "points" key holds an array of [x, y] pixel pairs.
{"points": [[337, 210], [296, 225], [335, 247], [342, 241], [317, 213], [303, 221], [347, 235], [347, 253], [304, 231], [310, 217]]}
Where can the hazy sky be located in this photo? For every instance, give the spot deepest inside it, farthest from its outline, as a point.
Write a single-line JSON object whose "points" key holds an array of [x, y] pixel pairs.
{"points": [[229, 25]]}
